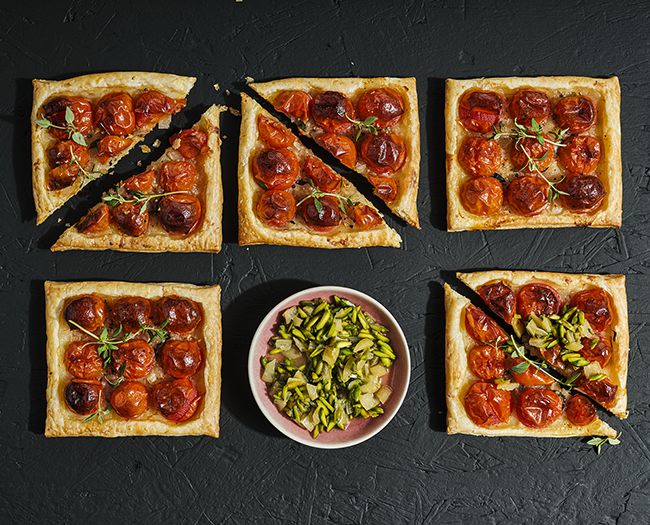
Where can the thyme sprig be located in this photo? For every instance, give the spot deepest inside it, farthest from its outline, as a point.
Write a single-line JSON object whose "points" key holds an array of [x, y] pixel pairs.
{"points": [[119, 377], [99, 411], [316, 194], [85, 174], [155, 332], [113, 197], [73, 131], [368, 123], [599, 442], [106, 343]]}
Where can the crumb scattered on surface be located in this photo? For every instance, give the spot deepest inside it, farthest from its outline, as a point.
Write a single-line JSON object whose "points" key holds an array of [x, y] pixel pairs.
{"points": [[216, 87], [145, 148], [156, 143], [139, 163], [228, 92], [250, 80], [235, 112]]}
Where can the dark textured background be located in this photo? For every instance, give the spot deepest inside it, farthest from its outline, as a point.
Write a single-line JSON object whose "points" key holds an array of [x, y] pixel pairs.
{"points": [[412, 472]]}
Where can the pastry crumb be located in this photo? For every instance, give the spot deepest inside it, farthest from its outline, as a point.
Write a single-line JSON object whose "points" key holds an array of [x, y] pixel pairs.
{"points": [[156, 143], [235, 112], [249, 80], [145, 148], [217, 87]]}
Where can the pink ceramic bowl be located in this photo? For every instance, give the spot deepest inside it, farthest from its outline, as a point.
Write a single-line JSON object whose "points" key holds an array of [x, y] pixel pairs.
{"points": [[359, 429]]}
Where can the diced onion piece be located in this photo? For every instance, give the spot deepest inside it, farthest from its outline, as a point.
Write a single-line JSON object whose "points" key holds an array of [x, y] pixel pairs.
{"points": [[289, 314], [363, 344], [378, 370], [280, 403], [283, 344], [592, 369], [347, 370], [330, 355], [384, 393], [518, 327], [312, 391], [537, 342], [306, 422], [546, 324], [371, 385], [575, 346], [269, 372], [368, 401]]}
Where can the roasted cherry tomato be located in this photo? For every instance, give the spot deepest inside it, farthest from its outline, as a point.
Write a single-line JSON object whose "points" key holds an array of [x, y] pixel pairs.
{"points": [[64, 151], [501, 300], [184, 314], [532, 376], [384, 103], [384, 153], [274, 133], [538, 408], [82, 360], [114, 114], [538, 299], [131, 218], [332, 111], [180, 214], [342, 147], [190, 143], [137, 356], [178, 175], [385, 187], [480, 110], [487, 361], [482, 196], [142, 182], [480, 157], [580, 154], [276, 169], [54, 110], [88, 311], [602, 391], [83, 395], [323, 217], [153, 106], [528, 195], [130, 399], [582, 193], [297, 104], [529, 156], [486, 405], [176, 400], [62, 176], [576, 114], [180, 358], [596, 305], [366, 217], [529, 104], [276, 208], [131, 313], [481, 328], [96, 220], [600, 352], [111, 146], [321, 175], [553, 356], [580, 411]]}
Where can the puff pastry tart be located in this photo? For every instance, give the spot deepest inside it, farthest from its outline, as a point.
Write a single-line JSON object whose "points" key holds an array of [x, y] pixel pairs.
{"points": [[540, 152], [289, 196], [370, 124], [130, 359], [492, 391], [82, 126], [576, 323], [174, 206]]}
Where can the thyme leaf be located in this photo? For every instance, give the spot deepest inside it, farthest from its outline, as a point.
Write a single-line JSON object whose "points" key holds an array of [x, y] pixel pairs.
{"points": [[368, 123], [106, 343], [114, 197], [316, 194], [599, 442], [99, 412], [73, 131]]}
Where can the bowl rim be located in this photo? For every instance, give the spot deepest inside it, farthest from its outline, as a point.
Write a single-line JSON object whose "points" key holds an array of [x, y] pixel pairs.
{"points": [[274, 416]]}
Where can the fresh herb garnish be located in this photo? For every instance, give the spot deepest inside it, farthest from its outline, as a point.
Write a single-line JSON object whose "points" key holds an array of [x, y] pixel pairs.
{"points": [[316, 194], [368, 123], [155, 332], [88, 175], [106, 343], [73, 131], [599, 442], [99, 412], [113, 197]]}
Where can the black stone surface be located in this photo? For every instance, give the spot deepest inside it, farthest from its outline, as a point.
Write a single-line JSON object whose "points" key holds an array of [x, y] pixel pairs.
{"points": [[412, 472]]}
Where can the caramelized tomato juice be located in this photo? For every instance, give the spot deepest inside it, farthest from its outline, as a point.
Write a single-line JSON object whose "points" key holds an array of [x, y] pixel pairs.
{"points": [[157, 375], [555, 171]]}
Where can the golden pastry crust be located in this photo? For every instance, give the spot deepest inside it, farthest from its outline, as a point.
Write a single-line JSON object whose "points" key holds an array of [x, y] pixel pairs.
{"points": [[253, 231], [92, 88], [408, 129], [459, 378], [207, 237], [605, 93], [568, 285], [61, 421]]}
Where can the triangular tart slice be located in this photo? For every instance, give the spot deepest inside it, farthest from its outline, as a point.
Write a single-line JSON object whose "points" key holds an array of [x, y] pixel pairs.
{"points": [[82, 126], [289, 196], [173, 206], [577, 323], [370, 124], [492, 393]]}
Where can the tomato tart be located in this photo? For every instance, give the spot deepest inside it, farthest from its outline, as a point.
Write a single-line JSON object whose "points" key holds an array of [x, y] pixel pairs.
{"points": [[175, 205], [128, 359], [82, 126], [576, 323], [370, 125], [540, 152], [289, 196], [494, 390]]}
